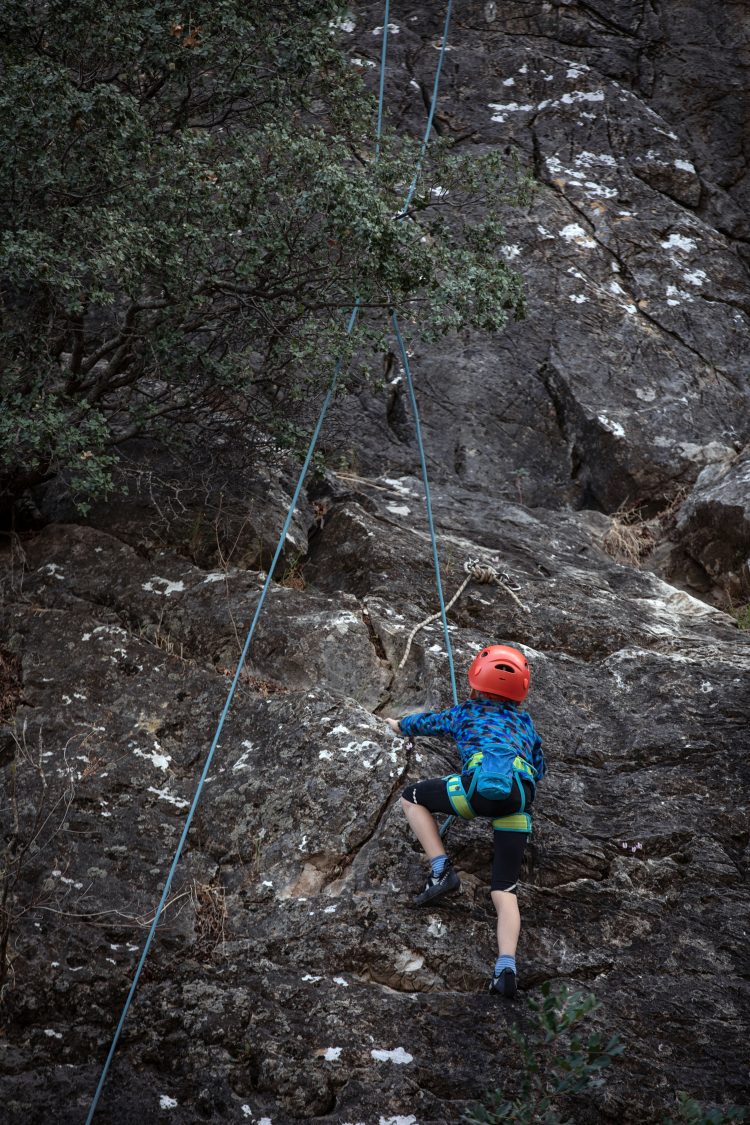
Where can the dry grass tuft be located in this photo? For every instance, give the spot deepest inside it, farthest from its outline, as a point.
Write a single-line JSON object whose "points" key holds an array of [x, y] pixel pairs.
{"points": [[629, 538], [209, 904]]}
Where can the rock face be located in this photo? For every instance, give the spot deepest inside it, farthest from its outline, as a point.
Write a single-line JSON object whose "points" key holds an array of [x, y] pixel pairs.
{"points": [[291, 979], [714, 525], [291, 974], [630, 373]]}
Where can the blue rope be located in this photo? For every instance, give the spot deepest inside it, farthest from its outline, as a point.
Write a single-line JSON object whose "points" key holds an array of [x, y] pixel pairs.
{"points": [[267, 584], [383, 51], [444, 828], [428, 502], [214, 744], [430, 116]]}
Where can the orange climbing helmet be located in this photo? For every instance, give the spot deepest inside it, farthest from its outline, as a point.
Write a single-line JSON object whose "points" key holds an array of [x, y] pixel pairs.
{"points": [[501, 670]]}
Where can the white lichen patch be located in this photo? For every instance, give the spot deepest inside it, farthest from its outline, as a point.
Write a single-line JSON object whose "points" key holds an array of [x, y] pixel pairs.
{"points": [[500, 110], [582, 96], [165, 795], [398, 1056], [393, 29], [165, 1102], [695, 277], [573, 232], [355, 61], [678, 242], [367, 746], [399, 1119], [510, 251], [157, 759], [398, 509], [579, 298], [398, 486], [676, 296], [613, 427], [332, 1054], [594, 159], [51, 1033], [241, 763], [342, 622], [341, 981], [169, 587], [684, 165], [310, 979], [598, 190], [214, 576]]}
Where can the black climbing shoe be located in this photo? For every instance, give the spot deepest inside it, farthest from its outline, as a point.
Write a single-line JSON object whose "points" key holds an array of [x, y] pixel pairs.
{"points": [[504, 984], [444, 884]]}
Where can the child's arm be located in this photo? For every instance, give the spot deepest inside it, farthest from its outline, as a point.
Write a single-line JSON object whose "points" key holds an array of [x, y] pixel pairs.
{"points": [[425, 722]]}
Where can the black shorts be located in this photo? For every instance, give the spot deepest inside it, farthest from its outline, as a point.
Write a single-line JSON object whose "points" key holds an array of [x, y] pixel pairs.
{"points": [[509, 847]]}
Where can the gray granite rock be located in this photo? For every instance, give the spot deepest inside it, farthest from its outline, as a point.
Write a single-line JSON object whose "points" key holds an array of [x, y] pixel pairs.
{"points": [[713, 526], [291, 974], [291, 979]]}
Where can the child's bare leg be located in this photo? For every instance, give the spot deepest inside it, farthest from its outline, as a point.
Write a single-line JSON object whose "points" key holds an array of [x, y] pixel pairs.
{"points": [[508, 922], [424, 828]]}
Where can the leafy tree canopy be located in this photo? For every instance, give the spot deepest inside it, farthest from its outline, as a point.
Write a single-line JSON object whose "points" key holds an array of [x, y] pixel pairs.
{"points": [[189, 204]]}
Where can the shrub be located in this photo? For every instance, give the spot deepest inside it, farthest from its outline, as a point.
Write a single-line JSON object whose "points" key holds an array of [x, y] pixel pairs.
{"points": [[553, 1064], [190, 206]]}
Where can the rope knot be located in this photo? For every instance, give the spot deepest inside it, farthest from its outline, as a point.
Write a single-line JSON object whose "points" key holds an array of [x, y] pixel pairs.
{"points": [[481, 572], [476, 571]]}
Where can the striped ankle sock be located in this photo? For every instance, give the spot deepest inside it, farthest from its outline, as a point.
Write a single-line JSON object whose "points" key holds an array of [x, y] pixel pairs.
{"points": [[438, 865], [504, 962]]}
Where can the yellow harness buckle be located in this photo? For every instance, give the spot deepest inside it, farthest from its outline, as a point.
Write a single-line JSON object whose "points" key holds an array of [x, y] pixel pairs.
{"points": [[458, 797], [517, 822]]}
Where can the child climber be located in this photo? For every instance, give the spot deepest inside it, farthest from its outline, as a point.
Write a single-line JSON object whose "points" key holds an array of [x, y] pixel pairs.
{"points": [[502, 760]]}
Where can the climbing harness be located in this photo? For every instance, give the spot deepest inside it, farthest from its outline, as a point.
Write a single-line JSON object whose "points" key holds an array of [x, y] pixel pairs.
{"points": [[476, 571], [460, 796], [282, 538]]}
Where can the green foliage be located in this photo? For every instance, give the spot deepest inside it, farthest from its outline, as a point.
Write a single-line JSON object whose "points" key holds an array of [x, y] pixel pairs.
{"points": [[742, 616], [552, 1062], [189, 205], [690, 1112]]}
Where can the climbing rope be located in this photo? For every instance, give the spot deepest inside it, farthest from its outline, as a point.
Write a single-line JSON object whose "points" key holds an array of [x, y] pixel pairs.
{"points": [[428, 502], [220, 727], [282, 539], [476, 571]]}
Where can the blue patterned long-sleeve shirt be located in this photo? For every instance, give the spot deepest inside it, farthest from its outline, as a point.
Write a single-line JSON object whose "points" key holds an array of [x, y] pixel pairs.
{"points": [[481, 725]]}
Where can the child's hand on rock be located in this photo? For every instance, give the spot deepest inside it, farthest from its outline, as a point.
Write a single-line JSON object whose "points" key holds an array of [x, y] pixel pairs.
{"points": [[393, 724]]}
